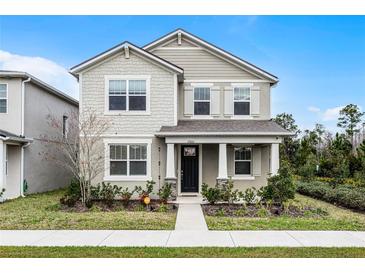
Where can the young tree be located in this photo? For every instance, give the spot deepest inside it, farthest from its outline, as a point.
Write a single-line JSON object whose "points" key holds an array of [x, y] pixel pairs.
{"points": [[79, 148], [290, 143], [350, 117]]}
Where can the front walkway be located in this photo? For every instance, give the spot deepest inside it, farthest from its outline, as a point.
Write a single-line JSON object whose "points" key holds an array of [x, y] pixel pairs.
{"points": [[181, 238], [190, 217]]}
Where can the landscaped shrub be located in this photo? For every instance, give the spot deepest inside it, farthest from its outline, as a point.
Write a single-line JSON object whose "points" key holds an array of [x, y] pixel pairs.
{"points": [[165, 192], [280, 187], [342, 195], [228, 193], [72, 195], [143, 193], [126, 195], [248, 196], [211, 194], [105, 192]]}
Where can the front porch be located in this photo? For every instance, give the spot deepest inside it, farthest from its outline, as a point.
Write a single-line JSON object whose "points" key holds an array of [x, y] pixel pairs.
{"points": [[192, 161]]}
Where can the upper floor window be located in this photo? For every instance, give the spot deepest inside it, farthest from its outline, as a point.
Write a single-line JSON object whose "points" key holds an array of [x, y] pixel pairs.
{"points": [[3, 98], [242, 100], [201, 101], [127, 95], [242, 161]]}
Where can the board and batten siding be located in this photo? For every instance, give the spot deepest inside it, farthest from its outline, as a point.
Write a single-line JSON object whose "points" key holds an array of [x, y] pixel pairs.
{"points": [[161, 95], [222, 101]]}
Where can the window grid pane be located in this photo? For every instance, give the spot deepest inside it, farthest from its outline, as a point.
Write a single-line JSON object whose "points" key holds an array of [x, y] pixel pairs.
{"points": [[117, 87], [3, 106], [118, 152], [137, 152], [242, 94], [201, 94], [137, 87], [3, 91]]}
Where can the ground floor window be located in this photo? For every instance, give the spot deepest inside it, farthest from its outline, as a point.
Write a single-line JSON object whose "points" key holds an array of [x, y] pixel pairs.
{"points": [[128, 159], [242, 160]]}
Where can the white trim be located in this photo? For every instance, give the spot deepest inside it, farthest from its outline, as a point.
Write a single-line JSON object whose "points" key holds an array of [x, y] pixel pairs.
{"points": [[211, 47], [222, 162], [222, 133], [197, 116], [76, 69], [126, 78], [243, 178], [176, 48], [127, 135], [242, 85], [175, 99], [226, 81], [127, 141], [218, 139], [234, 164], [6, 98], [201, 85]]}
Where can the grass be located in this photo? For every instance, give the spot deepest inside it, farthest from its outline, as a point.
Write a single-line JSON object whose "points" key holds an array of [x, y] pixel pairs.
{"points": [[337, 219], [41, 211], [180, 252]]}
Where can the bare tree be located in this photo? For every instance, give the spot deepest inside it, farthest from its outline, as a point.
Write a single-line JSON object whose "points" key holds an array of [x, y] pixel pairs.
{"points": [[77, 146]]}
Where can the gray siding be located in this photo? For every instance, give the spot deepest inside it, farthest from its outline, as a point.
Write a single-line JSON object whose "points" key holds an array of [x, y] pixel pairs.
{"points": [[40, 174], [11, 121]]}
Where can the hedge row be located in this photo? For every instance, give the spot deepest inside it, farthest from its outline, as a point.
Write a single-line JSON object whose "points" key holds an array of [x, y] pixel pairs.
{"points": [[343, 195]]}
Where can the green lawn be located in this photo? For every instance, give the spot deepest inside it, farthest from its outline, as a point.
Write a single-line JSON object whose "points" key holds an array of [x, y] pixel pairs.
{"points": [[40, 211], [181, 252], [337, 219]]}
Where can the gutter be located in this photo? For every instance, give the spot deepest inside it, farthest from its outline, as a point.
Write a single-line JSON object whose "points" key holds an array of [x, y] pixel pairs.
{"points": [[22, 134]]}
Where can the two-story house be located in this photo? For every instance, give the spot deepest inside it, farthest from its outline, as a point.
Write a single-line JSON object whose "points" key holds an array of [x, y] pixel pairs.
{"points": [[183, 111], [25, 103]]}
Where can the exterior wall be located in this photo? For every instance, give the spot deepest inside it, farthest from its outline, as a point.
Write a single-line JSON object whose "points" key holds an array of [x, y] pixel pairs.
{"points": [[200, 64], [265, 101], [42, 175], [161, 95], [210, 167], [12, 183], [11, 121], [132, 126]]}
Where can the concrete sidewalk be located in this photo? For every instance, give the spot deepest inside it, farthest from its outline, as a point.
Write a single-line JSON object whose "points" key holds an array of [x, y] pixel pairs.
{"points": [[181, 238]]}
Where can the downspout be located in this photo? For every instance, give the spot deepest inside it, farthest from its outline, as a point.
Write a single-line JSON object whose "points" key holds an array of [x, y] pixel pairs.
{"points": [[22, 134]]}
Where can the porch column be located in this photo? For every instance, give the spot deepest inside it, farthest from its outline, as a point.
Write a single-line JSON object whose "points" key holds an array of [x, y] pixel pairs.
{"points": [[170, 168], [222, 165], [2, 166], [274, 164]]}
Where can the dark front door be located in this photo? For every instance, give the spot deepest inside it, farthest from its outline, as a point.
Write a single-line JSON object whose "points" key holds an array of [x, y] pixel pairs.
{"points": [[189, 168]]}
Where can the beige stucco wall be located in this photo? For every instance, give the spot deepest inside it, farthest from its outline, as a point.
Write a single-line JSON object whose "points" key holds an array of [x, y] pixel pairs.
{"points": [[43, 175], [11, 121], [210, 167]]}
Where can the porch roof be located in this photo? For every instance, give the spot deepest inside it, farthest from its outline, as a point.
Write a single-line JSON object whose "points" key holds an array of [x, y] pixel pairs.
{"points": [[223, 127], [8, 136]]}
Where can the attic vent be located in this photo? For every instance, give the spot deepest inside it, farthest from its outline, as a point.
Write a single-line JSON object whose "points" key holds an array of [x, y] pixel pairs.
{"points": [[126, 51], [179, 38]]}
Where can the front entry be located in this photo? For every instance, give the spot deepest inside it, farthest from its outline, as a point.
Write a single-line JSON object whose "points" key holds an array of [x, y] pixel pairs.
{"points": [[190, 169]]}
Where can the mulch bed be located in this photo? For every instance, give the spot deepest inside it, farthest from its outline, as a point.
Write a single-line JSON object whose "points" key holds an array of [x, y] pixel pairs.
{"points": [[238, 210], [117, 205]]}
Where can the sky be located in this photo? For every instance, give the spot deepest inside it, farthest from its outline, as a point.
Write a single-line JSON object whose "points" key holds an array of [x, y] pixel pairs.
{"points": [[320, 60]]}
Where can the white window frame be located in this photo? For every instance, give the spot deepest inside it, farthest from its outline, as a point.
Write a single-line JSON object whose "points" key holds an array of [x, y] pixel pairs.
{"points": [[64, 126], [127, 78], [6, 98], [241, 100], [128, 142], [237, 176], [197, 116]]}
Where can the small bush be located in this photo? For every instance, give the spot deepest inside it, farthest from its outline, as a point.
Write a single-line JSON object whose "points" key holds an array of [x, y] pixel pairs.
{"points": [[105, 192], [143, 193], [228, 194], [165, 192], [280, 188], [211, 194], [263, 213], [72, 195], [162, 208], [248, 196], [126, 195]]}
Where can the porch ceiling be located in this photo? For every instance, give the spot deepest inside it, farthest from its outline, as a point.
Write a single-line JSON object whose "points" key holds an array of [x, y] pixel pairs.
{"points": [[224, 128]]}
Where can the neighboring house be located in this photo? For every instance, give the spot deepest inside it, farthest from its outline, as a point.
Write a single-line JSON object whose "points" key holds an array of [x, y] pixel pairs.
{"points": [[183, 111], [25, 103]]}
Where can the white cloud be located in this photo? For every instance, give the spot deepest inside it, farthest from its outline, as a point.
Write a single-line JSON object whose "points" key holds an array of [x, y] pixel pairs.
{"points": [[331, 114], [314, 109], [42, 68]]}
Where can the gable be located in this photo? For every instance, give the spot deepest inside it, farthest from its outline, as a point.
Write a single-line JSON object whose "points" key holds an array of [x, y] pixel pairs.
{"points": [[194, 42], [198, 63]]}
